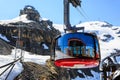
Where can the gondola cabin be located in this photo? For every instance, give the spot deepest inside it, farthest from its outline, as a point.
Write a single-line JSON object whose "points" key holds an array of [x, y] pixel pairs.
{"points": [[77, 50]]}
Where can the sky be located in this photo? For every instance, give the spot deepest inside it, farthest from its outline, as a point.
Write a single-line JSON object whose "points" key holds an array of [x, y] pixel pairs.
{"points": [[90, 10]]}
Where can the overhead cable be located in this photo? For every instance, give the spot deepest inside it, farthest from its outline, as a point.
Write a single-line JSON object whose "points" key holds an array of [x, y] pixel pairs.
{"points": [[81, 13], [84, 12]]}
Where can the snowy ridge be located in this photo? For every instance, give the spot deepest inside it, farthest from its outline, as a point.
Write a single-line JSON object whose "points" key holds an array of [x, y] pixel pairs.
{"points": [[17, 19]]}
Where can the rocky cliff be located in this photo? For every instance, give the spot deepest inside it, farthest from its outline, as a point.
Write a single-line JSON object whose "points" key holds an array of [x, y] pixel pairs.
{"points": [[29, 31]]}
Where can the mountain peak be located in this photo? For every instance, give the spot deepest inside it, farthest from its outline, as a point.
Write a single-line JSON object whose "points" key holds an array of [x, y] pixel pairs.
{"points": [[31, 12]]}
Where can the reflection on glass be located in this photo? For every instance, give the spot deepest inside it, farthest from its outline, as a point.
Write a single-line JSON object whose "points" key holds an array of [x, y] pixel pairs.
{"points": [[78, 45]]}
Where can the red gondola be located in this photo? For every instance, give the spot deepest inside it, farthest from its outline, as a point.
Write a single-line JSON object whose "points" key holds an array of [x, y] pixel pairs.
{"points": [[77, 50]]}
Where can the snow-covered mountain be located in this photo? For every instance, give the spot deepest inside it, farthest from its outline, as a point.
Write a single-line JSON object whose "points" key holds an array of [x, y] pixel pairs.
{"points": [[108, 35]]}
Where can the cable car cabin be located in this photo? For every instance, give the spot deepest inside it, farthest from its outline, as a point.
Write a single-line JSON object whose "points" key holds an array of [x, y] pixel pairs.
{"points": [[77, 50]]}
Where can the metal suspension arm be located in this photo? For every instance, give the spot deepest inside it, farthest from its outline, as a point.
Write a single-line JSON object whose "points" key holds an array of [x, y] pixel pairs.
{"points": [[75, 3], [66, 14]]}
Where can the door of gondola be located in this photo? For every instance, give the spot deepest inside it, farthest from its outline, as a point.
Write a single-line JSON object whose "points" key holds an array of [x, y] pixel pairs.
{"points": [[76, 47]]}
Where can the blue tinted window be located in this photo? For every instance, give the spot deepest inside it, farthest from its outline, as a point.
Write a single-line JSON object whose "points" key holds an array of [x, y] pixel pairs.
{"points": [[77, 44]]}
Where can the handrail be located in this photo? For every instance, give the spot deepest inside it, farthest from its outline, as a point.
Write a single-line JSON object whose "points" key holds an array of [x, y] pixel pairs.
{"points": [[11, 66], [112, 55], [11, 62]]}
